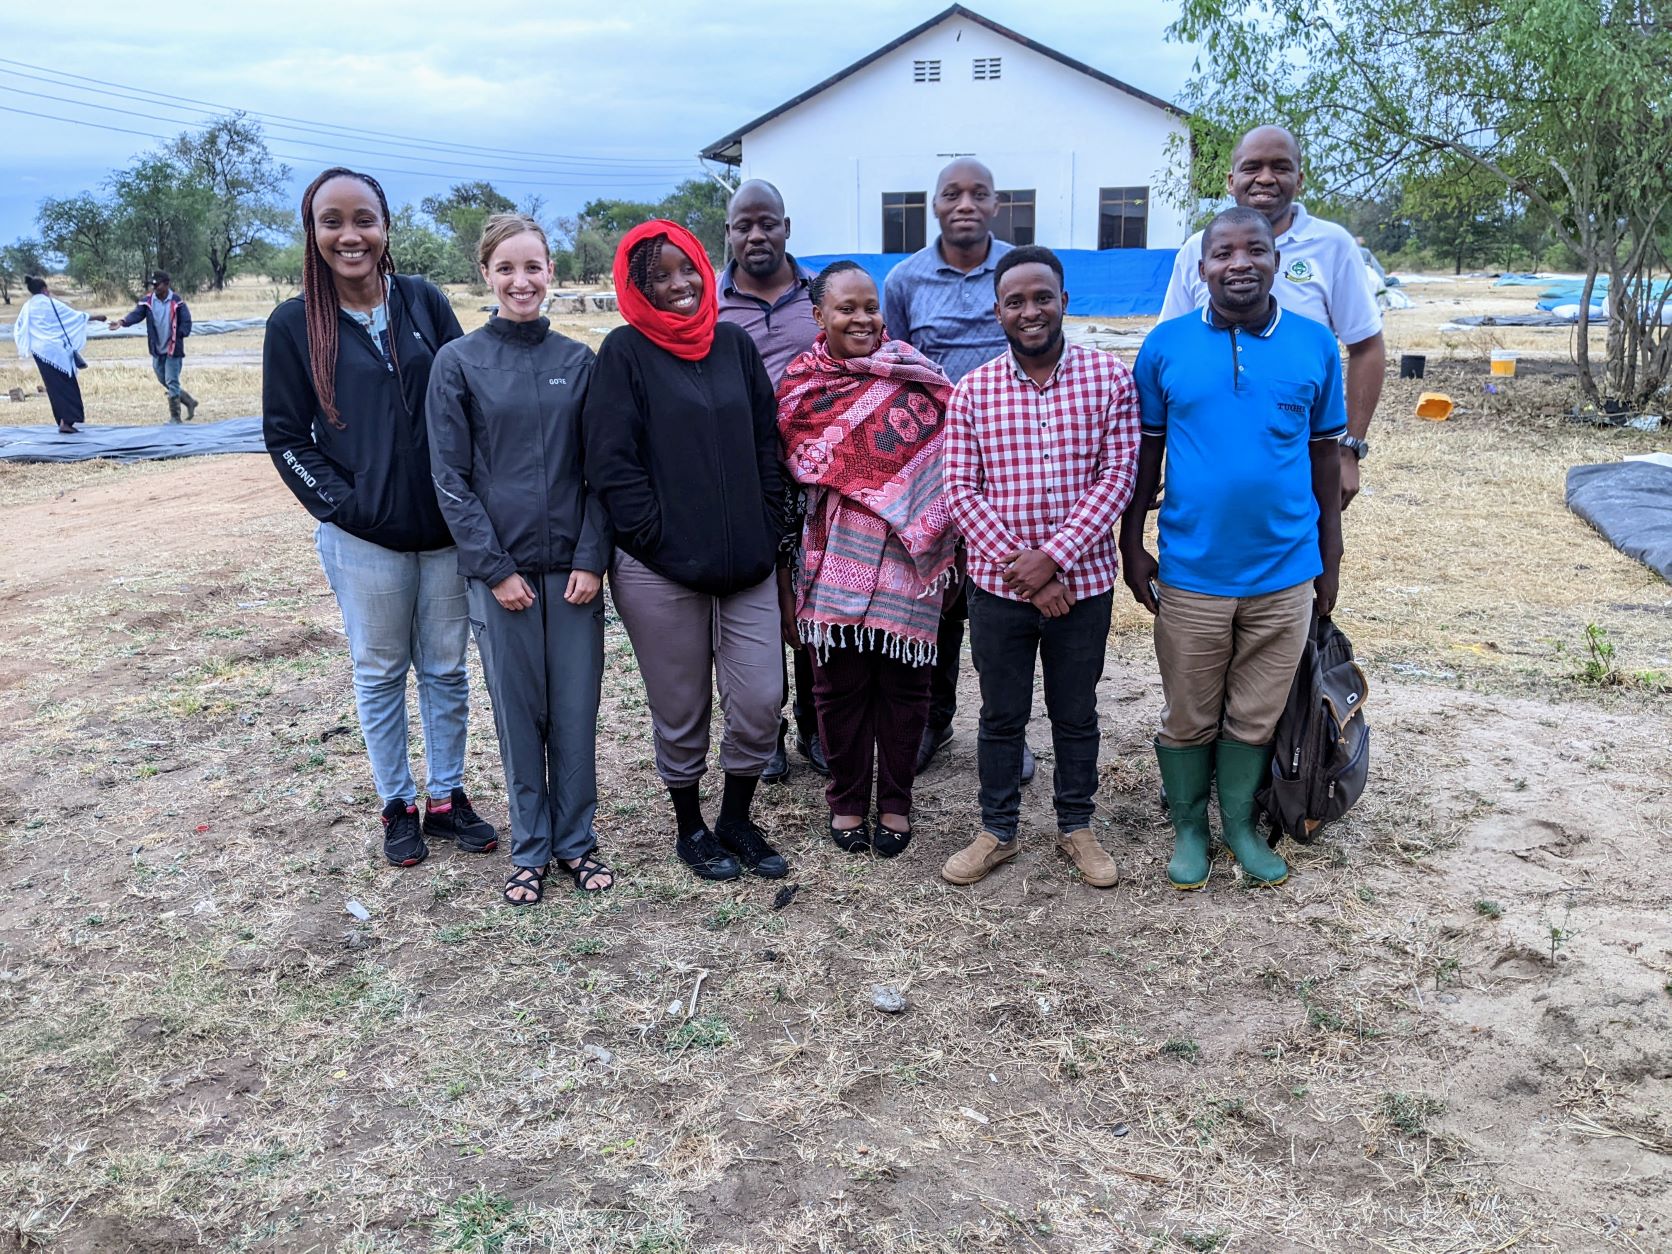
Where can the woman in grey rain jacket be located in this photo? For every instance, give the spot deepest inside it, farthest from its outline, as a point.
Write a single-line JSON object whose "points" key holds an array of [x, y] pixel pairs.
{"points": [[505, 449]]}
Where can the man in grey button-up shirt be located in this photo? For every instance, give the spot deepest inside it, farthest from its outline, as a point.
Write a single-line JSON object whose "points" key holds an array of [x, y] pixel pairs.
{"points": [[941, 299]]}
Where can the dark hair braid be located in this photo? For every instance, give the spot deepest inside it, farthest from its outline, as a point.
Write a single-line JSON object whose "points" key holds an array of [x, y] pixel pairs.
{"points": [[821, 280], [319, 294], [642, 262]]}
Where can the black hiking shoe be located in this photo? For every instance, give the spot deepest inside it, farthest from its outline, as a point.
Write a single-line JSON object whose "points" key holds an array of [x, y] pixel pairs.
{"points": [[456, 820], [707, 860], [810, 748], [748, 842], [934, 740], [403, 843], [777, 768]]}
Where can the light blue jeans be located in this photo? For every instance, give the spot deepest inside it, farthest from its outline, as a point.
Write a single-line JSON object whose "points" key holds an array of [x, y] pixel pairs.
{"points": [[167, 370], [403, 611]]}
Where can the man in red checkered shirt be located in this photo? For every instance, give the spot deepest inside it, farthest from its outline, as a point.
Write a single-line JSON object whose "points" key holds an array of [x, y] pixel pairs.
{"points": [[1041, 455]]}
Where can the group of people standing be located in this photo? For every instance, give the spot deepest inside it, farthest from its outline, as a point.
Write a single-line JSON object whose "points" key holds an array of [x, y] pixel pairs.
{"points": [[767, 461], [52, 334]]}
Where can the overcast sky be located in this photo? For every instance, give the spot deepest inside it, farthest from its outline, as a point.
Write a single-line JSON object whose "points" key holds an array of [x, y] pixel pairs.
{"points": [[608, 99]]}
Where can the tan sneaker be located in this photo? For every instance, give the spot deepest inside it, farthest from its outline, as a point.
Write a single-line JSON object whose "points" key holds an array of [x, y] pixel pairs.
{"points": [[1096, 867], [971, 863]]}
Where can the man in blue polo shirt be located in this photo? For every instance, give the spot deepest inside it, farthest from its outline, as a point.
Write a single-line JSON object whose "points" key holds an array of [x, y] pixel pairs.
{"points": [[1244, 401], [763, 289]]}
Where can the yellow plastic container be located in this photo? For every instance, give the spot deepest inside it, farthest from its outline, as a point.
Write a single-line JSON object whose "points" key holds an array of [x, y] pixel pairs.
{"points": [[1503, 363], [1435, 406]]}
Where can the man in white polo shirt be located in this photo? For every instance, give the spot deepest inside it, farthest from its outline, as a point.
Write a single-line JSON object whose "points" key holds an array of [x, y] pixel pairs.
{"points": [[1322, 277]]}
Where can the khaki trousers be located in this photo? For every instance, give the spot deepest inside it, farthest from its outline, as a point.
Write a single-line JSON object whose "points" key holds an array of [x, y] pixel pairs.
{"points": [[1227, 663]]}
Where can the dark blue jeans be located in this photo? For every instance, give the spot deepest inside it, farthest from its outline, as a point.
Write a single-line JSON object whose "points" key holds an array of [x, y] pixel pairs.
{"points": [[1005, 639]]}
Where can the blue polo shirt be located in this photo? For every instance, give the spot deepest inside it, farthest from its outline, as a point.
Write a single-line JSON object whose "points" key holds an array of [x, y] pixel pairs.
{"points": [[1239, 408], [943, 312]]}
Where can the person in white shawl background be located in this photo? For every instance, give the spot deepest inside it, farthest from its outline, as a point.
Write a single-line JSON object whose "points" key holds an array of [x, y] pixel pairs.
{"points": [[54, 335]]}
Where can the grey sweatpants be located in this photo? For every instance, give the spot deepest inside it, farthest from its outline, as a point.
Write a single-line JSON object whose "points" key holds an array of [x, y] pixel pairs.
{"points": [[687, 643], [544, 667]]}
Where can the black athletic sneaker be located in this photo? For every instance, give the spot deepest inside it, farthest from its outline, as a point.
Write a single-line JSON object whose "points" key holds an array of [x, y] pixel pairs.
{"points": [[748, 842], [403, 843], [456, 820], [707, 860]]}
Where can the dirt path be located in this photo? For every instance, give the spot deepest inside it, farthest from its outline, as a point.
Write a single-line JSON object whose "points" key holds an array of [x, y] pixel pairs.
{"points": [[1448, 1033]]}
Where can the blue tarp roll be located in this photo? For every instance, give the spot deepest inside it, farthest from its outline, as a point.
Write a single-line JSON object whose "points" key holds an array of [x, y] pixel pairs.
{"points": [[1112, 283]]}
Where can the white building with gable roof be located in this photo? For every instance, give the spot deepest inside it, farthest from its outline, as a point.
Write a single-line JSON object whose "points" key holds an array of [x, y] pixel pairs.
{"points": [[1078, 156]]}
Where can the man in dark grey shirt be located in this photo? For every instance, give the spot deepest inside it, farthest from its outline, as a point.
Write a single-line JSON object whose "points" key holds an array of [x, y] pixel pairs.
{"points": [[764, 291], [941, 300]]}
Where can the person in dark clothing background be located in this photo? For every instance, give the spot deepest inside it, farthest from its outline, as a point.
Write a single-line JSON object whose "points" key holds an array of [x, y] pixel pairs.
{"points": [[345, 367], [168, 321], [766, 292], [938, 301], [682, 448], [504, 418]]}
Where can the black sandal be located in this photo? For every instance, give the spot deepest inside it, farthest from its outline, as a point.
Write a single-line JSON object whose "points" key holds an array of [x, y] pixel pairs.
{"points": [[586, 870], [890, 843], [530, 880], [851, 839]]}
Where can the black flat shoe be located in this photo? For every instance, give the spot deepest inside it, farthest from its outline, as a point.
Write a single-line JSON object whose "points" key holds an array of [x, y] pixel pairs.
{"points": [[934, 740], [890, 843], [851, 839]]}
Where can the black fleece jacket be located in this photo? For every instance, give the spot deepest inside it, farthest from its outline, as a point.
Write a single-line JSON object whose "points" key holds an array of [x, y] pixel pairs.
{"points": [[505, 452], [685, 456], [372, 477]]}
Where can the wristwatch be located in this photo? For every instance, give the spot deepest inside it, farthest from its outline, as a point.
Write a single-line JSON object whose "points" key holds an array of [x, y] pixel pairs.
{"points": [[1359, 448]]}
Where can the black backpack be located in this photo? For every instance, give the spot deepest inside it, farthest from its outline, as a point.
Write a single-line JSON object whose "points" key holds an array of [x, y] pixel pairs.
{"points": [[1321, 750]]}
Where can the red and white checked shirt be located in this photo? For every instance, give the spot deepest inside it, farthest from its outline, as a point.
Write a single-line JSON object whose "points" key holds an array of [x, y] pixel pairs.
{"points": [[1048, 468]]}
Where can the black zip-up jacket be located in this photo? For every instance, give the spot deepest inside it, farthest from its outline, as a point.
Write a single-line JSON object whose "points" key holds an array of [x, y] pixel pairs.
{"points": [[176, 346], [371, 478], [505, 452], [685, 457]]}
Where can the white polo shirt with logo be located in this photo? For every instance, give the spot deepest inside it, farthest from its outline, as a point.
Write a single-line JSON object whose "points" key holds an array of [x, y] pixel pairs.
{"points": [[1320, 276]]}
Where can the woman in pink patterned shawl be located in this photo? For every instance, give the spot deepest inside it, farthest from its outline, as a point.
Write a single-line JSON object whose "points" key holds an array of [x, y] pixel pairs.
{"points": [[862, 420]]}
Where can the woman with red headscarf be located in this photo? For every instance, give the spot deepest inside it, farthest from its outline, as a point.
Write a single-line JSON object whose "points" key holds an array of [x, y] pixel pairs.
{"points": [[681, 433]]}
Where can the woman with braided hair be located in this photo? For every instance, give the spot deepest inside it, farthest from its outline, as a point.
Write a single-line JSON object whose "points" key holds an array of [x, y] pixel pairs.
{"points": [[681, 437], [345, 368]]}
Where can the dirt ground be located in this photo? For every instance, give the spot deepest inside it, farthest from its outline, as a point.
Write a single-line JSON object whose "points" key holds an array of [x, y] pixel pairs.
{"points": [[1449, 1032]]}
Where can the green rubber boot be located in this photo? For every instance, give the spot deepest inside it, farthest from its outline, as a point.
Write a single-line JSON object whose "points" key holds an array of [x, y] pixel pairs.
{"points": [[1242, 768], [1186, 774]]}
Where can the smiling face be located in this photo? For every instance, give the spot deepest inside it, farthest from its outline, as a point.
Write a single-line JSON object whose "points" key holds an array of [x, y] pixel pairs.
{"points": [[520, 274], [965, 203], [349, 229], [676, 283], [1239, 263], [758, 230], [850, 315], [1030, 307], [1265, 173]]}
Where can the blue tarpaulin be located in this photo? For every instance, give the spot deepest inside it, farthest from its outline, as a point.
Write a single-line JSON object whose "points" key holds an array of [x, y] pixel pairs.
{"points": [[1112, 283]]}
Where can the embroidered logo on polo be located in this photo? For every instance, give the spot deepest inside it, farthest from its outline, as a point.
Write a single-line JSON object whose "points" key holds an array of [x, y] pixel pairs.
{"points": [[1299, 271], [554, 382]]}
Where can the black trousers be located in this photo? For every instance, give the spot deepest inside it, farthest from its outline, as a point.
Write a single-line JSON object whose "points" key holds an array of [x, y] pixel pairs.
{"points": [[800, 698], [63, 392], [1006, 637], [949, 641]]}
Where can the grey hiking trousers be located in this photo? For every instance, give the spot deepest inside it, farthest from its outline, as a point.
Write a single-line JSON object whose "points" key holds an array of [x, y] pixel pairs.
{"points": [[544, 667], [687, 643]]}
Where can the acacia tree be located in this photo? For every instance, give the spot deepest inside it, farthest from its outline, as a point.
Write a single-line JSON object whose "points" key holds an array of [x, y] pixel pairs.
{"points": [[229, 159], [18, 260], [1567, 104]]}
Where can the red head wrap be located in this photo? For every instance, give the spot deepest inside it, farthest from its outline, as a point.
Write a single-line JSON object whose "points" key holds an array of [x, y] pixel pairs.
{"points": [[688, 338]]}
